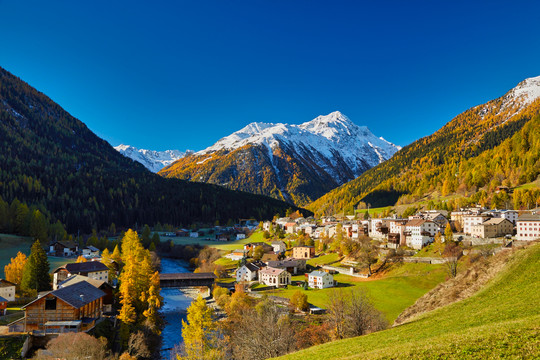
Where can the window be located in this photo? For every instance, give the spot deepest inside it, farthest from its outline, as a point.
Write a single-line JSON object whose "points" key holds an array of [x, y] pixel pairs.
{"points": [[50, 304]]}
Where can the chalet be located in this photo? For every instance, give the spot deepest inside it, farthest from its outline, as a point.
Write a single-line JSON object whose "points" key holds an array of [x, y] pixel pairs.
{"points": [[90, 251], [267, 225], [437, 217], [274, 277], [292, 266], [3, 306], [92, 269], [58, 248], [73, 308], [303, 252], [320, 280], [282, 221], [528, 227], [104, 286], [247, 272], [493, 227], [279, 246], [7, 290]]}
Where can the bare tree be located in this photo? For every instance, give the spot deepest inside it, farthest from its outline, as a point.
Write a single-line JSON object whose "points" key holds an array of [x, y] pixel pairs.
{"points": [[72, 346], [262, 333], [452, 253], [352, 314]]}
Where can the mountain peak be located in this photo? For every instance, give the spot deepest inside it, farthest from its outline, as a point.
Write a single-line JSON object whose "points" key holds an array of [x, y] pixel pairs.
{"points": [[528, 90], [152, 160]]}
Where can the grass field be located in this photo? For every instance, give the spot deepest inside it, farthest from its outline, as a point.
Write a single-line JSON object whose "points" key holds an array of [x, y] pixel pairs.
{"points": [[323, 260], [11, 244], [391, 293], [203, 240], [500, 321]]}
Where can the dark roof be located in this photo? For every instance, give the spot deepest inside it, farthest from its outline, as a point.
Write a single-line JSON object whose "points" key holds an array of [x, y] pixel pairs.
{"points": [[180, 276], [284, 263], [89, 266], [2, 299], [252, 267], [76, 295], [5, 283]]}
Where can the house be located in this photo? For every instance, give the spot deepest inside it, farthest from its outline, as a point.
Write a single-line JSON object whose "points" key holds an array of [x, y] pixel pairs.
{"points": [[510, 215], [267, 225], [279, 246], [92, 269], [194, 234], [379, 228], [292, 266], [396, 231], [274, 277], [72, 308], [7, 290], [290, 227], [494, 227], [240, 236], [104, 286], [437, 217], [90, 251], [419, 232], [303, 252], [282, 221], [58, 248], [247, 272], [528, 227], [320, 280], [236, 255], [470, 220], [3, 306]]}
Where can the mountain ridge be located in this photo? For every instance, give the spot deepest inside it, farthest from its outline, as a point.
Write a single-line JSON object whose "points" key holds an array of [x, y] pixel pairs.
{"points": [[443, 161], [300, 162]]}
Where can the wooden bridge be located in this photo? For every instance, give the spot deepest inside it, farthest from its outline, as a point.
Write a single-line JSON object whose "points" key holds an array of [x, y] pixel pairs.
{"points": [[179, 280]]}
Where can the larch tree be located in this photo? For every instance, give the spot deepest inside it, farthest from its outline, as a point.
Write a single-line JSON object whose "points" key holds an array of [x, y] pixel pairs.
{"points": [[14, 270]]}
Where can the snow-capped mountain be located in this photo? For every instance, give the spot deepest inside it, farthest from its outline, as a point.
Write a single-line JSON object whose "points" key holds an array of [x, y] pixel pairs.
{"points": [[152, 160], [293, 162]]}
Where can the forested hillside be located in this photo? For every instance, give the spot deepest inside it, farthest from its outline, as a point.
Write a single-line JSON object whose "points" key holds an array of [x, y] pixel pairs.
{"points": [[494, 144], [52, 161]]}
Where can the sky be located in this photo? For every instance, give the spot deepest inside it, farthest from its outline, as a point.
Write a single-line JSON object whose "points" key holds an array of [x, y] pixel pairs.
{"points": [[183, 74]]}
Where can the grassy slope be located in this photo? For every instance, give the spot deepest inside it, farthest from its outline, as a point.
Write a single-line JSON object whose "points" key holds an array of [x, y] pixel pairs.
{"points": [[397, 290], [9, 246], [500, 321]]}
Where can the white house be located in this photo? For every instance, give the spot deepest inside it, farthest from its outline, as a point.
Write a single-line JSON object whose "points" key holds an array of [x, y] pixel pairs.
{"points": [[93, 269], [279, 246], [274, 277], [420, 232], [470, 220], [510, 215], [90, 251], [240, 236], [247, 272], [7, 290], [528, 227], [236, 255], [194, 234], [320, 280]]}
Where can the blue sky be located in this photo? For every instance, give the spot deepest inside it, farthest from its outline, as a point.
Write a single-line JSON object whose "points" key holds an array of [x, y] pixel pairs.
{"points": [[182, 74]]}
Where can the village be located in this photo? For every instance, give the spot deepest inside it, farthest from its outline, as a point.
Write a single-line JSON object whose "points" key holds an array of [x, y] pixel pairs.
{"points": [[292, 252]]}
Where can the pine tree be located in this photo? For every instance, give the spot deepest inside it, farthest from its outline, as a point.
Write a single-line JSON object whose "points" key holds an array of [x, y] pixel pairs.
{"points": [[36, 271]]}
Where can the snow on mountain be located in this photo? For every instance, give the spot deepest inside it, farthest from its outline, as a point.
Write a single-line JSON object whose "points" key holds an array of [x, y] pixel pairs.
{"points": [[332, 138], [152, 160], [527, 91]]}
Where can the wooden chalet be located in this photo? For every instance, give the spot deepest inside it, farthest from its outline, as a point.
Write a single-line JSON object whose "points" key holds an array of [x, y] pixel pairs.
{"points": [[72, 308], [93, 269], [58, 248], [104, 286]]}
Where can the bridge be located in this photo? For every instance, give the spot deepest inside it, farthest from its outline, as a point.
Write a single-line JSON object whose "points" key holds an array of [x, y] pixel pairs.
{"points": [[178, 280]]}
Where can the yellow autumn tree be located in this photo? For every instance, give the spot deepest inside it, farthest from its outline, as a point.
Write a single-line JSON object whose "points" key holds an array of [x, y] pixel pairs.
{"points": [[14, 270], [201, 340], [81, 259]]}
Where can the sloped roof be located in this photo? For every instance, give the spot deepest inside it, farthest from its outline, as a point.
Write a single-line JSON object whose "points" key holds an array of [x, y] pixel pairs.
{"points": [[284, 263], [318, 273], [89, 266], [2, 299], [76, 295], [495, 221], [529, 217], [252, 267], [271, 271], [5, 283], [73, 279]]}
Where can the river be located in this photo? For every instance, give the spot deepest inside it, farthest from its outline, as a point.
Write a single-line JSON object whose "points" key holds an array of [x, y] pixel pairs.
{"points": [[174, 307]]}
